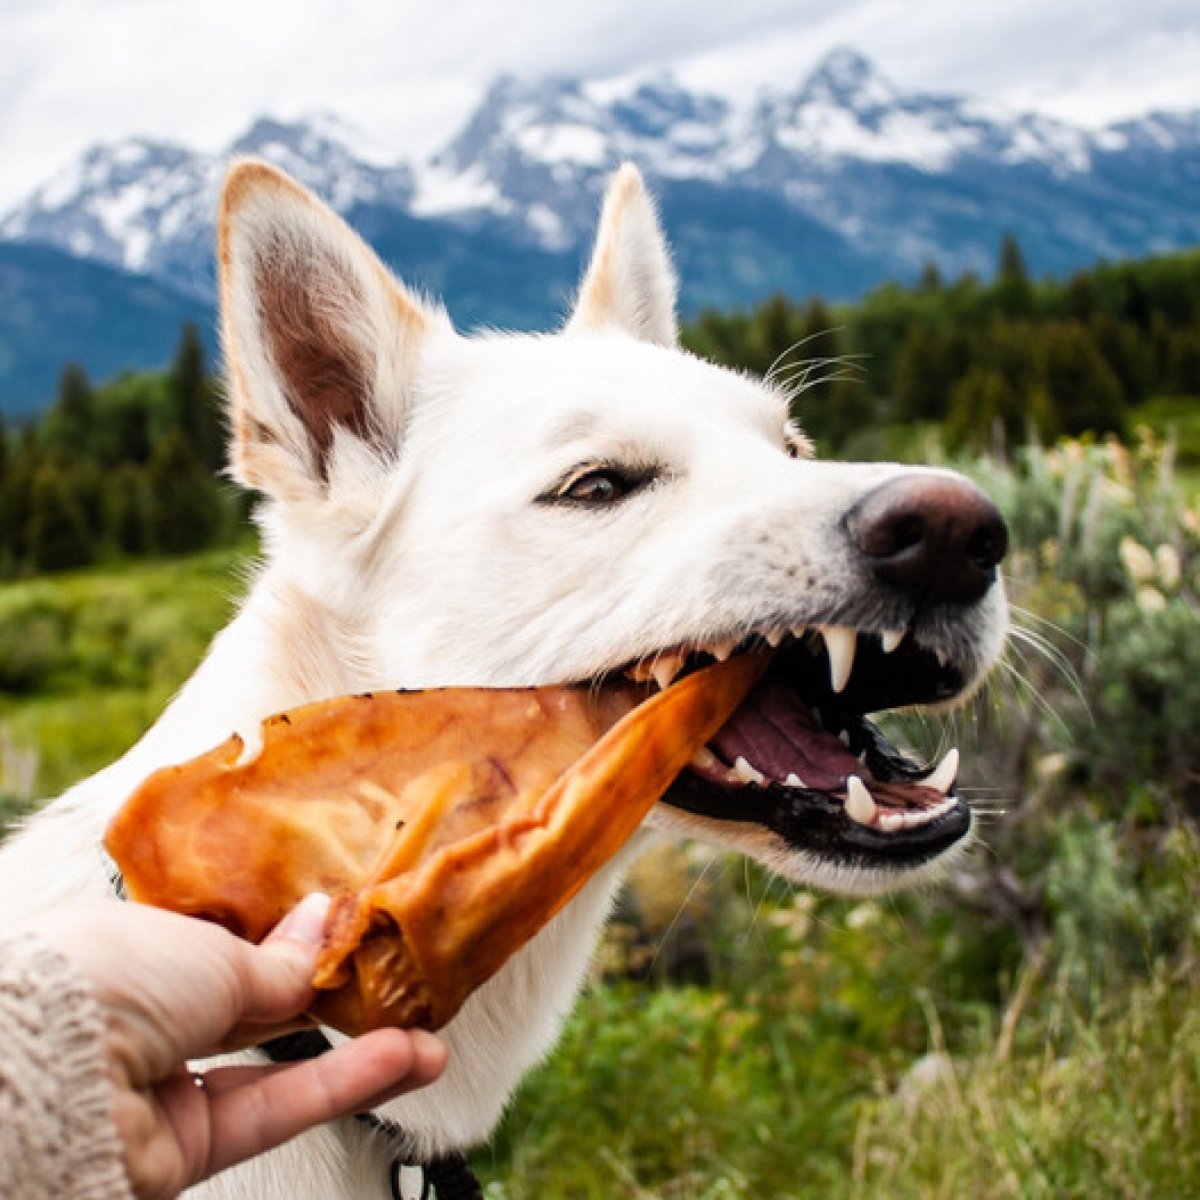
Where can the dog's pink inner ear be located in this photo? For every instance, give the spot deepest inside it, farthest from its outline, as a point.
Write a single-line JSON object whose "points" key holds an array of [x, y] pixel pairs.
{"points": [[304, 316]]}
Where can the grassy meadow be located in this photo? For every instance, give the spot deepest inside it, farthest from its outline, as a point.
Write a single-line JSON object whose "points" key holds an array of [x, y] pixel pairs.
{"points": [[1029, 1028]]}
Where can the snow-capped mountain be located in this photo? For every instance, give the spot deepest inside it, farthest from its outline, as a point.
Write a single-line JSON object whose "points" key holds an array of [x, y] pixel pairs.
{"points": [[907, 177], [828, 186], [147, 207]]}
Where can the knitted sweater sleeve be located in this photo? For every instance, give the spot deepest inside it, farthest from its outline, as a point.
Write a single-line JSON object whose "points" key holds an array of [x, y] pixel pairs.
{"points": [[57, 1136]]}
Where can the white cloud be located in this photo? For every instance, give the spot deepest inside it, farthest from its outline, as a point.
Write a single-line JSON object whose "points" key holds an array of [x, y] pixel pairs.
{"points": [[73, 72]]}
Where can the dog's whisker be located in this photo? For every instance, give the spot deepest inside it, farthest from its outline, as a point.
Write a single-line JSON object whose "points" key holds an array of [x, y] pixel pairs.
{"points": [[666, 935], [780, 359]]}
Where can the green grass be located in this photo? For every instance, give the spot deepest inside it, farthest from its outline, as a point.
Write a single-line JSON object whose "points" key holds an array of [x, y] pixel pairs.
{"points": [[1179, 418], [88, 660], [832, 1080]]}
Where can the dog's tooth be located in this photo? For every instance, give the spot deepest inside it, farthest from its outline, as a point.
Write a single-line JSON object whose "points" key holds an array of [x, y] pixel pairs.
{"points": [[721, 650], [890, 822], [704, 759], [942, 777], [889, 639], [773, 637], [940, 810], [942, 657], [844, 738], [641, 672], [860, 804], [798, 632], [665, 667], [794, 780], [840, 643], [748, 774]]}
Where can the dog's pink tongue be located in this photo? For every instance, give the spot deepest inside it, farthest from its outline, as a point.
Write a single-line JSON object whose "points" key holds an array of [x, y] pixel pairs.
{"points": [[777, 733]]}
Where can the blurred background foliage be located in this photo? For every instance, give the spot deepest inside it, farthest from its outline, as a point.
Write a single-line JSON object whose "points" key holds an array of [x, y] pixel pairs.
{"points": [[1030, 1027]]}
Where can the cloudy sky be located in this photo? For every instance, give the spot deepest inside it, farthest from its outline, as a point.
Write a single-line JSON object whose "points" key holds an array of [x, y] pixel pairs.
{"points": [[73, 72]]}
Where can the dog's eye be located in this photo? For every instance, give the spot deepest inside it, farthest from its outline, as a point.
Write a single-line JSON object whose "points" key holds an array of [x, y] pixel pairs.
{"points": [[604, 486]]}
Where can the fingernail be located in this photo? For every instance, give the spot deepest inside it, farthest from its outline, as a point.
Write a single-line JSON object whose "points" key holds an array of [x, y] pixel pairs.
{"points": [[425, 1043], [306, 922]]}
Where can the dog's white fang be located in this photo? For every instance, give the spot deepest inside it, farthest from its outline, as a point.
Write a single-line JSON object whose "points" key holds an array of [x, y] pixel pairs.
{"points": [[840, 643], [890, 639], [942, 778], [860, 805]]}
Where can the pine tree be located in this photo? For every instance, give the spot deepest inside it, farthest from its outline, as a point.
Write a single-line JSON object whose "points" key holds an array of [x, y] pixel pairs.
{"points": [[984, 412], [16, 496], [123, 505], [1084, 393], [775, 333], [183, 509], [193, 398], [1013, 291], [930, 282], [924, 375], [58, 529], [6, 540], [68, 425], [1184, 362]]}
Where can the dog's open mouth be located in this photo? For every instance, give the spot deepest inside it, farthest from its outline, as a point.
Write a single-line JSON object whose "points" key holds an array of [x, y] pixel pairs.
{"points": [[800, 759]]}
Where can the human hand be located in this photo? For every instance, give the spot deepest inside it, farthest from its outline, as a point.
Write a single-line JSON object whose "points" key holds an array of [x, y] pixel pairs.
{"points": [[172, 988]]}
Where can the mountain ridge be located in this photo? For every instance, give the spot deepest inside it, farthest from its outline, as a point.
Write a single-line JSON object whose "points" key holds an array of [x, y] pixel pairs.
{"points": [[829, 186]]}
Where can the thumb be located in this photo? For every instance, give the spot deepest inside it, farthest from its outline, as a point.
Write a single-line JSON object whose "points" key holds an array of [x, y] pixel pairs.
{"points": [[303, 927], [276, 976]]}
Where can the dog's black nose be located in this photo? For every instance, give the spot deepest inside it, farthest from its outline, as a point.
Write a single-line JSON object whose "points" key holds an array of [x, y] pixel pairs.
{"points": [[935, 538]]}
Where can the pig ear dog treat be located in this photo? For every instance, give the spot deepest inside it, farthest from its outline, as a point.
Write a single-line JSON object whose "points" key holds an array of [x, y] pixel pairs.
{"points": [[449, 826]]}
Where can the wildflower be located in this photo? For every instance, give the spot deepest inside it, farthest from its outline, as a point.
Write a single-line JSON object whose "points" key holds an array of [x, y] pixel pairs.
{"points": [[1170, 572], [1150, 600], [1138, 561]]}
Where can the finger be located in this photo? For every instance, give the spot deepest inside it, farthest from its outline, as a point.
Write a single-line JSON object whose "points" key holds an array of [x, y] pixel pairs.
{"points": [[272, 1105], [305, 923], [275, 978], [218, 1081]]}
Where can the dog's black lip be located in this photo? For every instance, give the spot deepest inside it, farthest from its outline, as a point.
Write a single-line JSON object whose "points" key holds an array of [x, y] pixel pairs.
{"points": [[816, 822]]}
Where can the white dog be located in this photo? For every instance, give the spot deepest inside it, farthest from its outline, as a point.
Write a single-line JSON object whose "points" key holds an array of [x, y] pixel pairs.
{"points": [[503, 511]]}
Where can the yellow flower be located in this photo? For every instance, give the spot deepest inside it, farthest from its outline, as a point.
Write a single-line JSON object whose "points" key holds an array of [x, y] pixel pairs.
{"points": [[1139, 562], [1170, 573], [1150, 600]]}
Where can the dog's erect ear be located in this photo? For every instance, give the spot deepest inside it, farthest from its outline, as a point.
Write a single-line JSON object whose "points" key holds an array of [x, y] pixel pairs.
{"points": [[320, 340], [629, 284]]}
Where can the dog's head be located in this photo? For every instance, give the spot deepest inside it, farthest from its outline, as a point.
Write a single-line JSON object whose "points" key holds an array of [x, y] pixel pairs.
{"points": [[509, 510]]}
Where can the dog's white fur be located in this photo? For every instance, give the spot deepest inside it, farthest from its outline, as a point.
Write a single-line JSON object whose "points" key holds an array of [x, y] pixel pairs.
{"points": [[409, 543]]}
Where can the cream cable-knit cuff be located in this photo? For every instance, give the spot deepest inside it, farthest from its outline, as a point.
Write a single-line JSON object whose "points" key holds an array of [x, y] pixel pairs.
{"points": [[57, 1135]]}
